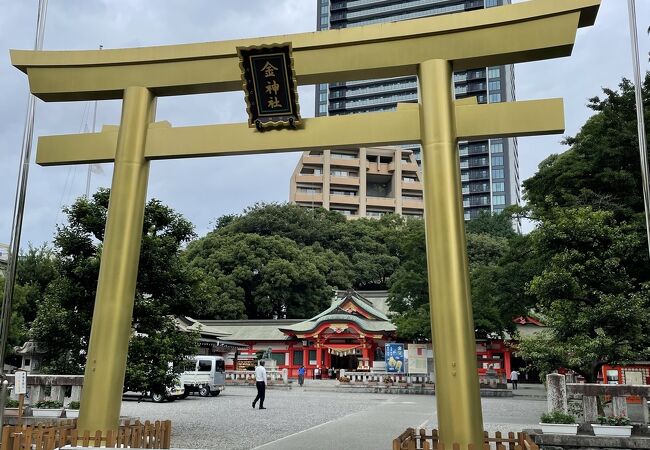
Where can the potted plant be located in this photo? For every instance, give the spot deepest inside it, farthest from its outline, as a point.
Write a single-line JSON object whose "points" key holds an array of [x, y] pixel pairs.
{"points": [[72, 410], [11, 407], [48, 408], [558, 422], [344, 379], [618, 426]]}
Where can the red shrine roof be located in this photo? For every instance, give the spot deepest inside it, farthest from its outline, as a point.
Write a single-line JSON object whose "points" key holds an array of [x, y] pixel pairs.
{"points": [[351, 311]]}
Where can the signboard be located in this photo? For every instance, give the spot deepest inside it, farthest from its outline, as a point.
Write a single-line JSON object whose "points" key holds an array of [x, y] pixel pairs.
{"points": [[417, 358], [394, 357], [20, 382], [270, 86]]}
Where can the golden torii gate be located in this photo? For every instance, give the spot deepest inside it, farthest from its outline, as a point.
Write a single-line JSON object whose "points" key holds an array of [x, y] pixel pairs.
{"points": [[430, 48]]}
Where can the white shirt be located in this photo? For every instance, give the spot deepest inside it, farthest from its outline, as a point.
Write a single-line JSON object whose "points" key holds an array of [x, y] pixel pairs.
{"points": [[514, 375], [260, 373]]}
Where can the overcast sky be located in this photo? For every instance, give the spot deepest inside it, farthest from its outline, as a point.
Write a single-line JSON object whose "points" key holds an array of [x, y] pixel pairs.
{"points": [[204, 189]]}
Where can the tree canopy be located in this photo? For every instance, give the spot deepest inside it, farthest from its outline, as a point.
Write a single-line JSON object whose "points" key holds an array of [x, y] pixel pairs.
{"points": [[593, 290], [166, 286]]}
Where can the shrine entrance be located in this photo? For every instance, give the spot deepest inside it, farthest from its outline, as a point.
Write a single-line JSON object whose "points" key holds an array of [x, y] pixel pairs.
{"points": [[431, 48]]}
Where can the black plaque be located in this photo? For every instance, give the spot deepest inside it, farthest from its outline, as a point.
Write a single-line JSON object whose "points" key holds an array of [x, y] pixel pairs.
{"points": [[270, 86]]}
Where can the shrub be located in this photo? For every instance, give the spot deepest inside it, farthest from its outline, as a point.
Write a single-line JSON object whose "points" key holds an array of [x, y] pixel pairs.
{"points": [[74, 405], [11, 403], [49, 404], [557, 417], [614, 420]]}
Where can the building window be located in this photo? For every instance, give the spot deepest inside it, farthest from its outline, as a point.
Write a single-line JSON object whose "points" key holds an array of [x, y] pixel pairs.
{"points": [[340, 173], [409, 180], [322, 109], [499, 199], [497, 173], [494, 72], [297, 358], [496, 147], [312, 356], [498, 187], [467, 215], [495, 85], [279, 358], [495, 98], [497, 160], [323, 96], [324, 9]]}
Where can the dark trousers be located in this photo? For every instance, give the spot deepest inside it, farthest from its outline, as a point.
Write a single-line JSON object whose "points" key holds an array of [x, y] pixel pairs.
{"points": [[514, 384], [261, 392]]}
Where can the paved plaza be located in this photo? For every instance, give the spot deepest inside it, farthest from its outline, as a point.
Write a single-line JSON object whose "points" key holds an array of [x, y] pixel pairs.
{"points": [[316, 419]]}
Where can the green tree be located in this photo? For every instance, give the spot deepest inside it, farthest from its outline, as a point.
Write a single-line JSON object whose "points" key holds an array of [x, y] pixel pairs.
{"points": [[499, 261], [264, 276], [595, 311], [166, 286], [601, 169]]}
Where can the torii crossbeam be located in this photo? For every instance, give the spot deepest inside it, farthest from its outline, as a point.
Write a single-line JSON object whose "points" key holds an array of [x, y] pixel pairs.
{"points": [[430, 48]]}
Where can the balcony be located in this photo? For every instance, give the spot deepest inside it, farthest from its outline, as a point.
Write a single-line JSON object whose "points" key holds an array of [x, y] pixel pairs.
{"points": [[409, 167], [380, 201], [312, 159], [380, 168], [412, 185], [413, 203], [345, 181], [344, 199], [344, 162], [303, 197], [308, 178]]}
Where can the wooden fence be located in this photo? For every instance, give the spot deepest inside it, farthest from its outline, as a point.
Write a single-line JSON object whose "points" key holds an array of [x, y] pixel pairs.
{"points": [[48, 437], [420, 440]]}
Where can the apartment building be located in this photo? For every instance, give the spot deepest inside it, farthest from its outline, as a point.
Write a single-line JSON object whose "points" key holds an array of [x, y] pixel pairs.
{"points": [[364, 182], [489, 168]]}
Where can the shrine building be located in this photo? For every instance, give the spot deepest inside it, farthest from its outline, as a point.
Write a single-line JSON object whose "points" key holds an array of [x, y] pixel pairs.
{"points": [[349, 335]]}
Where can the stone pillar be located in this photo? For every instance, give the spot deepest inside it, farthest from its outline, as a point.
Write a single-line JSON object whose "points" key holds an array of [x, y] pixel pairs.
{"points": [[285, 376], [619, 406], [556, 392], [36, 394], [57, 393], [589, 409]]}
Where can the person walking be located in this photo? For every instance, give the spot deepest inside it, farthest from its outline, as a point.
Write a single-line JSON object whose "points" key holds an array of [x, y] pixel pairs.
{"points": [[514, 378], [301, 375], [260, 382]]}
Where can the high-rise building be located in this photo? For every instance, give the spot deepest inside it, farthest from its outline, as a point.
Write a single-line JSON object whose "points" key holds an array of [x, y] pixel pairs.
{"points": [[489, 168]]}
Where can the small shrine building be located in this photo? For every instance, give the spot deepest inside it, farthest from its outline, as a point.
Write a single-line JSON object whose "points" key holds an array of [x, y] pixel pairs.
{"points": [[349, 335]]}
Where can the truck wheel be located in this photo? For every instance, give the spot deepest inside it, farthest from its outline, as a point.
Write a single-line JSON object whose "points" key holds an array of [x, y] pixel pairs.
{"points": [[204, 391], [158, 398], [215, 393]]}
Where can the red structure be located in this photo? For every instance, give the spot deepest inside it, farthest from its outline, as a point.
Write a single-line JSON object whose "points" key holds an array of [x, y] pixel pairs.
{"points": [[349, 335]]}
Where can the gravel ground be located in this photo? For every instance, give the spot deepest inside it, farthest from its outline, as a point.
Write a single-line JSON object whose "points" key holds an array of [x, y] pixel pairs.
{"points": [[229, 422], [310, 419]]}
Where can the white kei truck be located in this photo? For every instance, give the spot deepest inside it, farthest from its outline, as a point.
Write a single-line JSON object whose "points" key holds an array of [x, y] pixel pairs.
{"points": [[207, 378]]}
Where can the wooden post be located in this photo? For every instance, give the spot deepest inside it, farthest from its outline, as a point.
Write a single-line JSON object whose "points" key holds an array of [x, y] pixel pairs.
{"points": [[21, 405]]}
